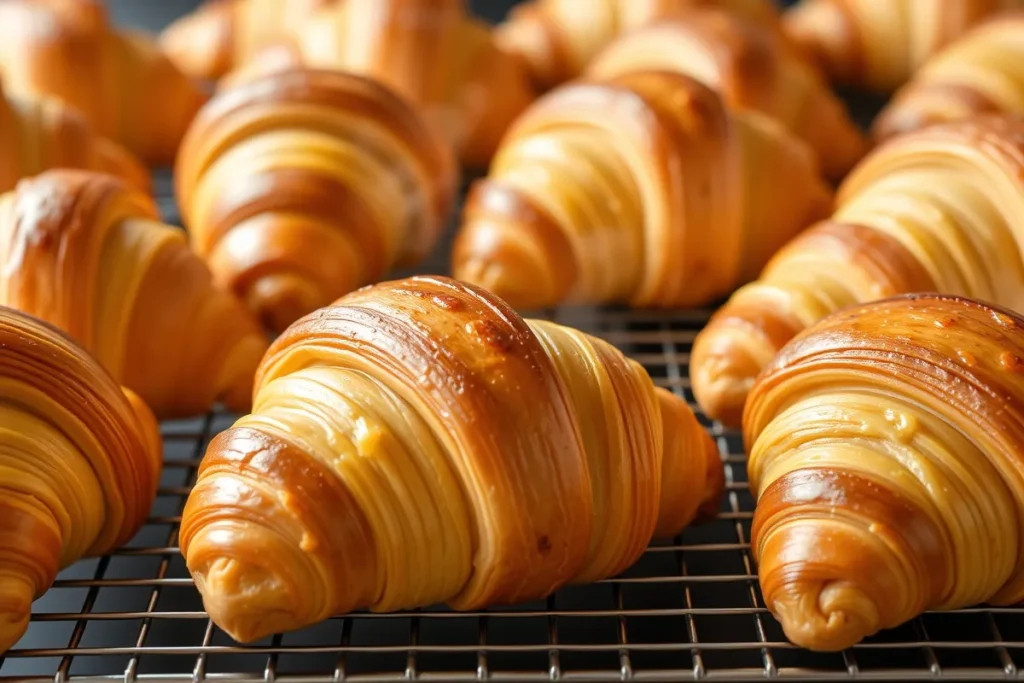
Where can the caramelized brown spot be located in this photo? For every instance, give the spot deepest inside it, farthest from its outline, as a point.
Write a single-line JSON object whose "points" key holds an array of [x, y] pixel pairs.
{"points": [[544, 545], [448, 302], [1011, 362], [493, 335]]}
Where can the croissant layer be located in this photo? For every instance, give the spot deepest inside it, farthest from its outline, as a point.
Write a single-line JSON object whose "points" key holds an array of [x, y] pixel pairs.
{"points": [[301, 185], [934, 210], [79, 463], [885, 455], [119, 80], [82, 251], [603, 191], [418, 442]]}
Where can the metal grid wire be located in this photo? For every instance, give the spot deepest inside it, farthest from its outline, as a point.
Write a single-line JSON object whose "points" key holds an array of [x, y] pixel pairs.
{"points": [[690, 609]]}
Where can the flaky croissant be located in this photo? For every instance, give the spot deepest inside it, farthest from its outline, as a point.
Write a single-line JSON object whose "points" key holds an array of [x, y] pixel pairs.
{"points": [[982, 72], [39, 134], [880, 44], [83, 252], [79, 463], [752, 68], [419, 442], [885, 453], [640, 188], [119, 80], [558, 38], [303, 185], [941, 209], [222, 35]]}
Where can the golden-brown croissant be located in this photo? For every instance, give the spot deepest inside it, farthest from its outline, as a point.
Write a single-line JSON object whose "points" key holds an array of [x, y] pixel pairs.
{"points": [[39, 134], [640, 188], [982, 72], [752, 68], [431, 52], [302, 185], [885, 453], [558, 38], [79, 463], [222, 35], [83, 252], [941, 209], [880, 44], [420, 442], [119, 80]]}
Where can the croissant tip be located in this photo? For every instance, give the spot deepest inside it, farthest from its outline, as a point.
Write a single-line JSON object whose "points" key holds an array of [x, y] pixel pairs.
{"points": [[15, 610], [833, 616], [721, 390]]}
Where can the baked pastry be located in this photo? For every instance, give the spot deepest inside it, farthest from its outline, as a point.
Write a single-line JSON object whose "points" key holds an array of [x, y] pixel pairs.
{"points": [[941, 209], [982, 72], [885, 456], [222, 35], [43, 133], [85, 253], [80, 461], [302, 185], [119, 79], [752, 67], [431, 52], [420, 442], [558, 38], [605, 191], [880, 45]]}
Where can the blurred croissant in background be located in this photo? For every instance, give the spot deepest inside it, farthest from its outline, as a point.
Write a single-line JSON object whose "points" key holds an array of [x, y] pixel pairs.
{"points": [[938, 210], [431, 52], [303, 185], [752, 68], [222, 35], [119, 79], [87, 254], [983, 72], [880, 44], [37, 134], [641, 188], [885, 454], [80, 461], [419, 442], [559, 38]]}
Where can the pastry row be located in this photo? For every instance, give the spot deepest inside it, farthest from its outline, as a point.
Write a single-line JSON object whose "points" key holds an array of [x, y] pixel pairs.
{"points": [[417, 441]]}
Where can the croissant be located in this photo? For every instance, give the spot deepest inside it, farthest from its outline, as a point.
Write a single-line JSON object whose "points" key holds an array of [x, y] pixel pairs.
{"points": [[880, 45], [225, 34], [419, 442], [983, 72], [37, 134], [941, 209], [303, 185], [559, 38], [119, 80], [886, 458], [752, 68], [79, 463], [607, 191], [83, 252], [431, 52]]}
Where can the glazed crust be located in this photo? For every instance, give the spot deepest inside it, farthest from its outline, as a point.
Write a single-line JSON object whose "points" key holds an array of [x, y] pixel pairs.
{"points": [[80, 461], [419, 442], [884, 452]]}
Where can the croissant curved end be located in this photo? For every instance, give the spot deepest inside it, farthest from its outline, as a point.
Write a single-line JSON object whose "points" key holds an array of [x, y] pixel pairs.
{"points": [[721, 383], [198, 43], [16, 595], [826, 617], [279, 299], [114, 159]]}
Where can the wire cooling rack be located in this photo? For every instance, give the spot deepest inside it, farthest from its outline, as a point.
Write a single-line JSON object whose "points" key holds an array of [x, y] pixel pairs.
{"points": [[690, 609]]}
